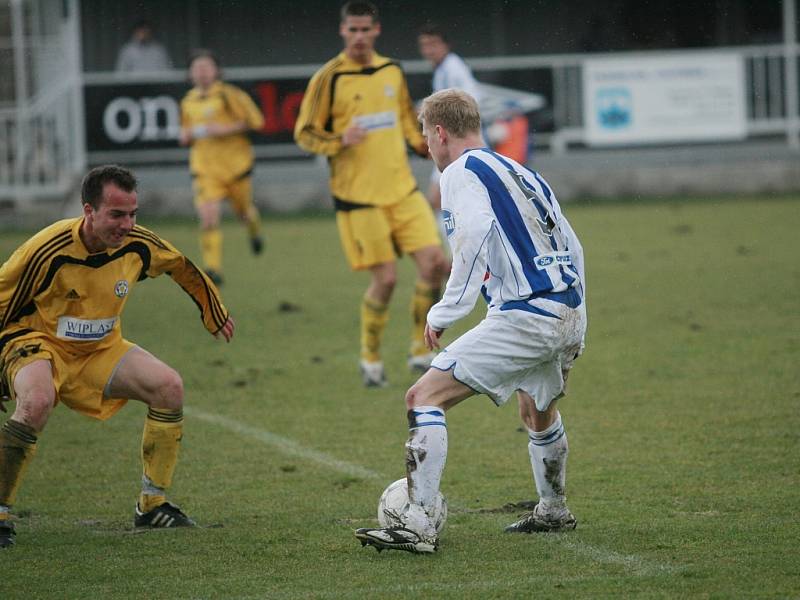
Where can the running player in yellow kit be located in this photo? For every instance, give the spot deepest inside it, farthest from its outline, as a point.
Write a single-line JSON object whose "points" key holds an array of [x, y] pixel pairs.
{"points": [[62, 294], [357, 112], [215, 119]]}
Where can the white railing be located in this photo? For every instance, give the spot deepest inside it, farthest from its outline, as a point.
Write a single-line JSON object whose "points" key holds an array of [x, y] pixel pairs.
{"points": [[42, 138]]}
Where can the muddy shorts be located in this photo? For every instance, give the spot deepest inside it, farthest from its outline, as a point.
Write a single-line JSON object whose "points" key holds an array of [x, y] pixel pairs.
{"points": [[518, 350]]}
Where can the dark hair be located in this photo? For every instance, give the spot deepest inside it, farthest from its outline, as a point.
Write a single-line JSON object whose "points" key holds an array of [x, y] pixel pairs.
{"points": [[97, 178], [203, 53], [434, 30], [142, 24], [360, 8]]}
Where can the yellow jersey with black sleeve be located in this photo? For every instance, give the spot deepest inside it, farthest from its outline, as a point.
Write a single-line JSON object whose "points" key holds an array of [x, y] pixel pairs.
{"points": [[228, 157], [52, 287], [375, 96]]}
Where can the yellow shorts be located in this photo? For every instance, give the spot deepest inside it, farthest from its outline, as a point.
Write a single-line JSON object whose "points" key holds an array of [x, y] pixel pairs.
{"points": [[212, 189], [377, 234], [80, 381]]}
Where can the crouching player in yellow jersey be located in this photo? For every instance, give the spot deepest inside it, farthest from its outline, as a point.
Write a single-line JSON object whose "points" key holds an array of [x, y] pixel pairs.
{"points": [[357, 111], [61, 298], [215, 119]]}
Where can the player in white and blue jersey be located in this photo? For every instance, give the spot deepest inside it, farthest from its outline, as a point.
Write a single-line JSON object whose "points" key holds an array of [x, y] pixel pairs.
{"points": [[512, 244]]}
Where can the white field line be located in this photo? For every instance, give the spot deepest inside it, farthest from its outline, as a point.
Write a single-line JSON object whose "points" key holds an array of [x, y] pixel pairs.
{"points": [[290, 447], [285, 445]]}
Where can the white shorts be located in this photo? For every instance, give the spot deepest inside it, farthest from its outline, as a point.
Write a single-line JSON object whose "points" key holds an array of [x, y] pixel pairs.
{"points": [[518, 350]]}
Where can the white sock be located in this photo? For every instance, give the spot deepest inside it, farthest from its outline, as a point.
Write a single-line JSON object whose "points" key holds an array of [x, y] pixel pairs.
{"points": [[548, 450], [426, 453]]}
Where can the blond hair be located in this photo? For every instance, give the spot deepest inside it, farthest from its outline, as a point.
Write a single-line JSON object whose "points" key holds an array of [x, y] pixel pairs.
{"points": [[454, 110]]}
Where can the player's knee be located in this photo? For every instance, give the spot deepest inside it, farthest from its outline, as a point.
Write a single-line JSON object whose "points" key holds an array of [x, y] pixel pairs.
{"points": [[387, 281], [433, 269], [416, 396], [169, 392], [34, 409]]}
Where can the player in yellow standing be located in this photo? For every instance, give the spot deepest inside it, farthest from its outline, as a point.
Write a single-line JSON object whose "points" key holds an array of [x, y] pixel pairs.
{"points": [[357, 111], [215, 119], [62, 294]]}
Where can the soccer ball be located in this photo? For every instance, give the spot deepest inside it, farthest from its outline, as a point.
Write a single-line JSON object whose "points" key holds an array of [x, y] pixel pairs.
{"points": [[394, 501]]}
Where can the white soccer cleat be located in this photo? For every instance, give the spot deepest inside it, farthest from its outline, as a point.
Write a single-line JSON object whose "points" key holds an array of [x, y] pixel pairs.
{"points": [[372, 373], [397, 538], [421, 362]]}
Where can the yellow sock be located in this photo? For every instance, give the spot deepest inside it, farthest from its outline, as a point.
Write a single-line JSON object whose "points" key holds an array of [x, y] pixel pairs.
{"points": [[253, 221], [17, 447], [424, 297], [163, 430], [374, 315], [211, 248]]}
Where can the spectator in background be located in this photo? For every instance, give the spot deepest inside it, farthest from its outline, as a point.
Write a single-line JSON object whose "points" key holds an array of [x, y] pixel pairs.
{"points": [[143, 52], [449, 71]]}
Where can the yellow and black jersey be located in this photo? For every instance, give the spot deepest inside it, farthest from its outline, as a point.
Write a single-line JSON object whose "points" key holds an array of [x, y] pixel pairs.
{"points": [[51, 285], [229, 157], [344, 92]]}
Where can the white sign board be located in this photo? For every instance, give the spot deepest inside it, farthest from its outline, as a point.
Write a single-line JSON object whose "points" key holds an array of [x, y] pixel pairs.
{"points": [[687, 97]]}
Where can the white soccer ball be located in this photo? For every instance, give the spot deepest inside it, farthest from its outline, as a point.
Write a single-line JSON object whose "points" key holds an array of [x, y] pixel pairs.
{"points": [[394, 501]]}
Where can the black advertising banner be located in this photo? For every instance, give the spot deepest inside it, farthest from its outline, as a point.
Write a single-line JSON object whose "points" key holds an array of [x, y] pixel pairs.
{"points": [[139, 122], [146, 116]]}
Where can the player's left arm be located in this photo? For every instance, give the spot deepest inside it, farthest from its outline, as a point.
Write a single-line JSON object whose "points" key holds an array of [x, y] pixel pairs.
{"points": [[165, 258], [408, 121]]}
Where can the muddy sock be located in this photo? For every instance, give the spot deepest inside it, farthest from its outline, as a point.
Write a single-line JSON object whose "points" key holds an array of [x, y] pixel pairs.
{"points": [[548, 450], [426, 453]]}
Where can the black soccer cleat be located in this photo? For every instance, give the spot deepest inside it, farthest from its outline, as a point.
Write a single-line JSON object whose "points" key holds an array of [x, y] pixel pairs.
{"points": [[535, 522], [163, 516], [7, 534], [257, 244], [215, 276], [396, 538]]}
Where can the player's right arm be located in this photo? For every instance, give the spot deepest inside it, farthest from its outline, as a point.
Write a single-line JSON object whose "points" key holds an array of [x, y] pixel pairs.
{"points": [[22, 274], [185, 137], [10, 275], [310, 131], [464, 202]]}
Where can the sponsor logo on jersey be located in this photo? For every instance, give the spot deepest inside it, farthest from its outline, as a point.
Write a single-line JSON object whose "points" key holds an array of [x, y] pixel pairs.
{"points": [[545, 260], [381, 120], [121, 288], [73, 328], [449, 222]]}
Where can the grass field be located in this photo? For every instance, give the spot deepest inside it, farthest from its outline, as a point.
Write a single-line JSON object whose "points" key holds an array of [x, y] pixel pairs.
{"points": [[683, 421]]}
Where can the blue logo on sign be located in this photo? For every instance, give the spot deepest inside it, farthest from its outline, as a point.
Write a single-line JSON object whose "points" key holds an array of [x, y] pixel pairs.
{"points": [[449, 222], [614, 108]]}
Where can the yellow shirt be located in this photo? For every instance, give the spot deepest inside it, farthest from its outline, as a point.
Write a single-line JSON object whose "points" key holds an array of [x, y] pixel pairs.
{"points": [[228, 157], [51, 285], [343, 92]]}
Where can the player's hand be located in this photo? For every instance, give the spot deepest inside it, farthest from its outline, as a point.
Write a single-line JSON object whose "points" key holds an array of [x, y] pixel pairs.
{"points": [[353, 135], [226, 332], [432, 337], [185, 137]]}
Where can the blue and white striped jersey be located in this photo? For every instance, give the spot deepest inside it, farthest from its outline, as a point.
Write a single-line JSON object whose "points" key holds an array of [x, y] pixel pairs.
{"points": [[509, 240]]}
